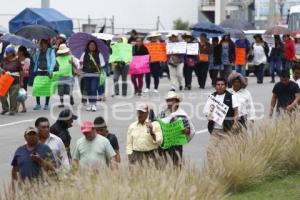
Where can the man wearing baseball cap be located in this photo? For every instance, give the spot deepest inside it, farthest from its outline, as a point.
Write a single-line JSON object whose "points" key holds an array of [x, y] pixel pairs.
{"points": [[33, 157], [143, 137], [93, 150]]}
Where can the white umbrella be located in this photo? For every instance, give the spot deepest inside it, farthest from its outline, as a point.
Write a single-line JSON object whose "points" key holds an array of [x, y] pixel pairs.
{"points": [[103, 36]]}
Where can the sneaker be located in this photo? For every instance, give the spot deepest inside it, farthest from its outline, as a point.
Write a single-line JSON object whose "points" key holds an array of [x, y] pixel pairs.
{"points": [[146, 90], [94, 108], [37, 107], [46, 107], [88, 108], [155, 91]]}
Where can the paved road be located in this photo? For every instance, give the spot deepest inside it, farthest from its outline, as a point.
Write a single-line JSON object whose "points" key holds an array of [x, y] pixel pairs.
{"points": [[119, 113]]}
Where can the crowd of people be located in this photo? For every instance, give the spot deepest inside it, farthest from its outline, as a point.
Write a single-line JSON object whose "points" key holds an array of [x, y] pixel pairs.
{"points": [[48, 147]]}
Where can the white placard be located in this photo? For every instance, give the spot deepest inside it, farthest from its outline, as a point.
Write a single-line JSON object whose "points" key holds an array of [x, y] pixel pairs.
{"points": [[176, 48], [215, 110], [192, 49]]}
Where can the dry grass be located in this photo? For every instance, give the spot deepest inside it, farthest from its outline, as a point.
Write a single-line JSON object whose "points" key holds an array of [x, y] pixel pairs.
{"points": [[269, 148]]}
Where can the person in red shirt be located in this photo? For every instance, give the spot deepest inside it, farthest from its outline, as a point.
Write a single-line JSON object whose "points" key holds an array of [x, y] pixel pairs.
{"points": [[289, 52]]}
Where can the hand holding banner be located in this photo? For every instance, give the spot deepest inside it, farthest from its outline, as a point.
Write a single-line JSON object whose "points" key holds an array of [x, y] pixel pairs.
{"points": [[121, 52], [192, 49], [139, 65], [6, 81], [215, 110], [176, 48], [157, 51]]}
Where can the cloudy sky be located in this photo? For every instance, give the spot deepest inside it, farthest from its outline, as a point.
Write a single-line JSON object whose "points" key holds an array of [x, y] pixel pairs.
{"points": [[128, 13]]}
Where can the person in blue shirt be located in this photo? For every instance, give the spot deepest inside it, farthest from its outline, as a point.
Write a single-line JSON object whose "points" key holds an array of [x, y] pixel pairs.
{"points": [[32, 158], [242, 43]]}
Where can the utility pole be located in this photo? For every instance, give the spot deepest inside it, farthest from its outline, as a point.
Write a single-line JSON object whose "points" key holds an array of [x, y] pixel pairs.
{"points": [[272, 13], [220, 11], [157, 23], [113, 25]]}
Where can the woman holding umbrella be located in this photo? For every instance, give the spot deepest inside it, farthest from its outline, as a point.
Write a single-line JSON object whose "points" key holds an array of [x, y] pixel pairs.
{"points": [[45, 62], [92, 62]]}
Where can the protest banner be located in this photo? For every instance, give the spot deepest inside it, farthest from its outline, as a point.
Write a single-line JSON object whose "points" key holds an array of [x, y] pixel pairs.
{"points": [[240, 56], [6, 81], [173, 133], [139, 65], [215, 110], [121, 52], [176, 48], [43, 86], [157, 52], [192, 49]]}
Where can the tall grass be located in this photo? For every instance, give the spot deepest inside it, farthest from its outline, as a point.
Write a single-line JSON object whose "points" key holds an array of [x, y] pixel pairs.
{"points": [[268, 148]]}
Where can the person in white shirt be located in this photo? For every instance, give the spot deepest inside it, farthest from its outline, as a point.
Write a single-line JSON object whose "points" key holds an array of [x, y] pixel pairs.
{"points": [[53, 142], [244, 98], [295, 77]]}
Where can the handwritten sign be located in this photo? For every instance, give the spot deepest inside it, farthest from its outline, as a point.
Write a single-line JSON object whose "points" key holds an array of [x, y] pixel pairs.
{"points": [[43, 86], [172, 133], [192, 49], [6, 81], [157, 51], [240, 56], [176, 48], [215, 110], [139, 65], [121, 52]]}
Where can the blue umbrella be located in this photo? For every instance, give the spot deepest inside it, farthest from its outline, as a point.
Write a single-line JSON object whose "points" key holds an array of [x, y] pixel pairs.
{"points": [[210, 29], [237, 24], [234, 33], [18, 40]]}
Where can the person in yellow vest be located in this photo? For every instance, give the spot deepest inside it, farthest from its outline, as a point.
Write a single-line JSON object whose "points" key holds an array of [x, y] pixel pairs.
{"points": [[65, 64]]}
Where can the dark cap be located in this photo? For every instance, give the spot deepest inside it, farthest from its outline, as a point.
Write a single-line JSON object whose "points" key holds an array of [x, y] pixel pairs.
{"points": [[67, 114]]}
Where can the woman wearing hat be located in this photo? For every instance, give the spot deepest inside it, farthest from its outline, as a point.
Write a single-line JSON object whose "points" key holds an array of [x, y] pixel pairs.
{"points": [[260, 51], [66, 80], [243, 96], [172, 113], [11, 65]]}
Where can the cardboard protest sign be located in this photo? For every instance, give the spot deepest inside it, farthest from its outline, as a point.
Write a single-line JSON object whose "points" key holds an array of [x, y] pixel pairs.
{"points": [[173, 133], [121, 52], [240, 56], [6, 81], [157, 52], [176, 48], [215, 110], [192, 49], [139, 65], [43, 86]]}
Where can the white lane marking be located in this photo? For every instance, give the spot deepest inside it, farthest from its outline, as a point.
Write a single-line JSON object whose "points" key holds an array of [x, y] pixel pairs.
{"points": [[201, 131], [18, 122]]}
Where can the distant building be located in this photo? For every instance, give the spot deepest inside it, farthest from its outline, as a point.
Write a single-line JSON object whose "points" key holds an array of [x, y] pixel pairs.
{"points": [[236, 9]]}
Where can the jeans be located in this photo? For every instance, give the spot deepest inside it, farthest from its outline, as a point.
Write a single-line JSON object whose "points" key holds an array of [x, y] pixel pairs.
{"points": [[91, 85], [155, 71], [275, 65], [201, 72], [121, 70], [259, 72], [241, 69]]}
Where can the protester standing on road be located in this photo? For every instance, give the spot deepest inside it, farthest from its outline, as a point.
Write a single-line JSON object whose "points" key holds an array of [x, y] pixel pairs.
{"points": [[216, 65], [286, 95], [92, 62], [32, 158], [175, 64], [55, 143], [190, 62], [242, 45], [24, 59], [66, 72], [172, 113], [45, 62], [61, 128], [93, 150], [101, 129], [137, 79], [276, 56], [228, 56], [289, 52], [260, 51], [246, 106], [231, 119], [155, 67], [143, 138], [11, 65], [203, 64]]}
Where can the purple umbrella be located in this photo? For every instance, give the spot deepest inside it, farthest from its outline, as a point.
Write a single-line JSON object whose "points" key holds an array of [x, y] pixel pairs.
{"points": [[78, 42]]}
